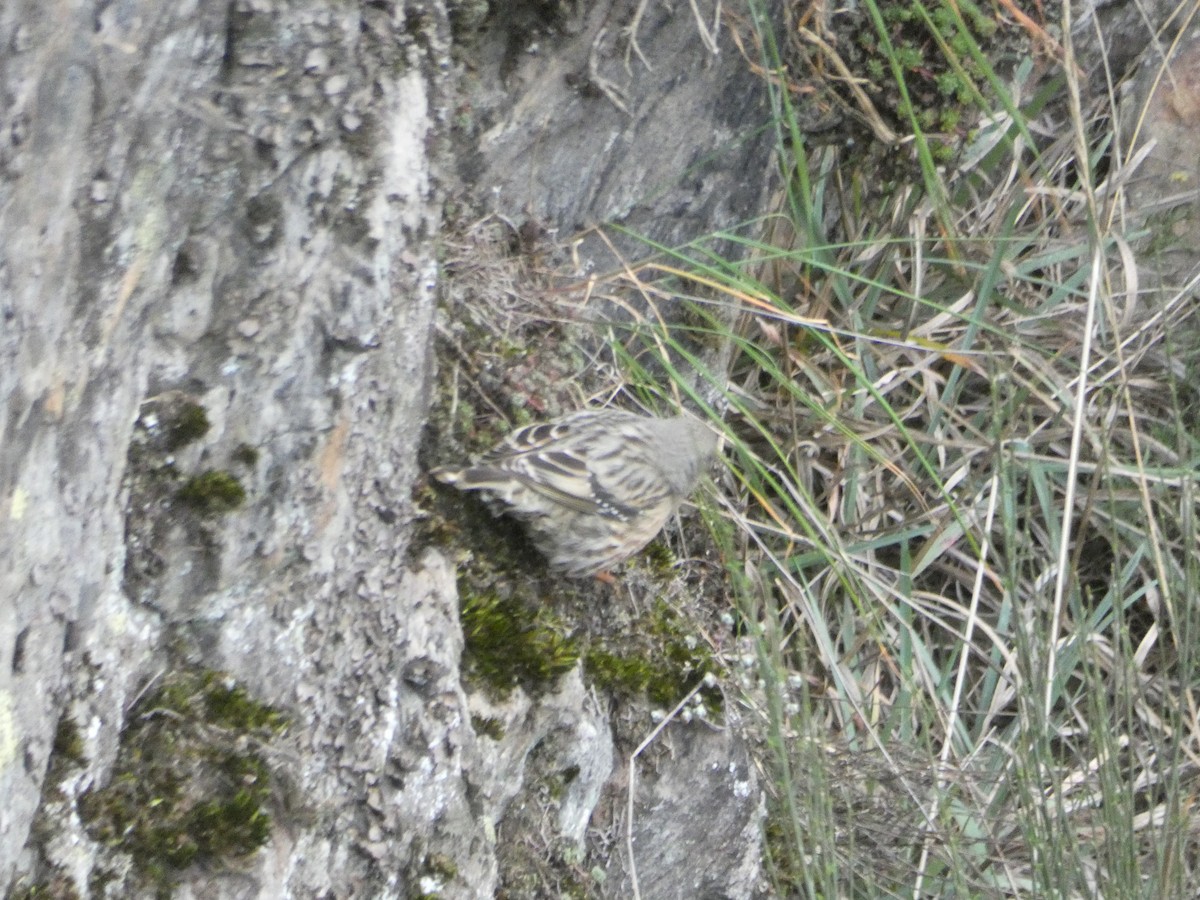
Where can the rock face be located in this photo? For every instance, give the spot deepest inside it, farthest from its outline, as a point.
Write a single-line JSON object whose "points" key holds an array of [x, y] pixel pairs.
{"points": [[696, 829], [1165, 102], [224, 207], [650, 119]]}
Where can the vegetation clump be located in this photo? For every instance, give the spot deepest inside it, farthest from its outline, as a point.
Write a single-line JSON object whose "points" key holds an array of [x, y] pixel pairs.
{"points": [[246, 454], [659, 660], [166, 504], [68, 745], [507, 644], [212, 492], [68, 754], [188, 423], [190, 784], [488, 726], [59, 887]]}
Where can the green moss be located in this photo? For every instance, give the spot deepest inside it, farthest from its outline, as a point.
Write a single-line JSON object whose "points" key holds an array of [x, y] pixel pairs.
{"points": [[544, 872], [521, 416], [926, 61], [440, 866], [239, 820], [68, 745], [979, 20], [186, 787], [67, 754], [909, 57], [488, 727], [658, 557], [508, 644], [660, 660], [100, 879], [780, 856], [556, 783], [212, 492], [628, 675], [230, 705], [950, 120], [246, 455], [187, 424]]}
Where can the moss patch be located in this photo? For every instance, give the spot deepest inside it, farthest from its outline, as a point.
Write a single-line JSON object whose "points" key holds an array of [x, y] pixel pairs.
{"points": [[187, 423], [212, 492], [68, 754], [246, 455], [436, 871], [68, 745], [509, 644], [190, 784], [660, 660], [164, 501], [543, 867], [488, 726]]}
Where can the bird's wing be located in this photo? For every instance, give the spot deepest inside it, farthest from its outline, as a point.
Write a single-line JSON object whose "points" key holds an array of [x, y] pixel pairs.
{"points": [[552, 460]]}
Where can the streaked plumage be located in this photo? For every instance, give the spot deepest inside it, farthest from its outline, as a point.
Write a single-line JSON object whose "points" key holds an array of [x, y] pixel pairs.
{"points": [[594, 487]]}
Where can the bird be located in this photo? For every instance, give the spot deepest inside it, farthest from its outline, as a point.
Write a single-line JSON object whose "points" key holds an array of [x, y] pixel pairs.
{"points": [[593, 487]]}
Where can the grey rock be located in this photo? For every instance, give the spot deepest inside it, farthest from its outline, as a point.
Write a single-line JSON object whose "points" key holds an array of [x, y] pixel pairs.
{"points": [[698, 809]]}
